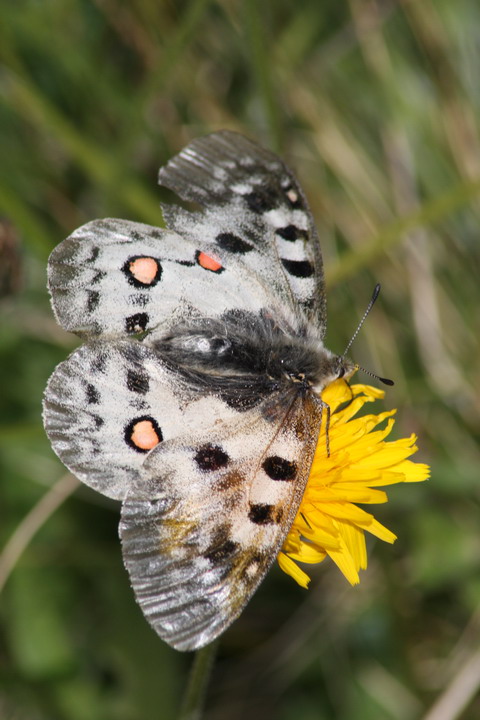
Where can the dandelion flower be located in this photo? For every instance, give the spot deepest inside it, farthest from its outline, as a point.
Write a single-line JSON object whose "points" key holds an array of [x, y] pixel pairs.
{"points": [[359, 461]]}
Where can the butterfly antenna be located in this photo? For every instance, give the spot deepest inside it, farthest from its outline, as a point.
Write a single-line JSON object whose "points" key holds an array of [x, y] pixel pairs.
{"points": [[376, 293], [385, 381]]}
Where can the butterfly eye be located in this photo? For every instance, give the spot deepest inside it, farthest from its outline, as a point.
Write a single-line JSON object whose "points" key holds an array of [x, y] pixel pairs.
{"points": [[341, 372]]}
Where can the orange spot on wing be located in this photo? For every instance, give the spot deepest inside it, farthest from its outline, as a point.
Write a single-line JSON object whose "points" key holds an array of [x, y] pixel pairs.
{"points": [[144, 269], [144, 435], [209, 263]]}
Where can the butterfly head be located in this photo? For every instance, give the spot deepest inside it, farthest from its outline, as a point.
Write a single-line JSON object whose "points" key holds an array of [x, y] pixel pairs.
{"points": [[331, 368]]}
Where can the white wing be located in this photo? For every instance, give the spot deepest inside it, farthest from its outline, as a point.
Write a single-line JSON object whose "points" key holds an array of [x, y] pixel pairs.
{"points": [[252, 247], [254, 207], [115, 277], [209, 514]]}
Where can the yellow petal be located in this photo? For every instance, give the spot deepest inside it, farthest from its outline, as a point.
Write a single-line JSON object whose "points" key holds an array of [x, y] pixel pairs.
{"points": [[361, 459], [346, 564], [292, 569]]}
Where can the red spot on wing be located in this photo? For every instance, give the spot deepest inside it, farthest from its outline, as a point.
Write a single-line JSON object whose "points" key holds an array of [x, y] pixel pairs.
{"points": [[144, 435], [144, 270], [209, 263]]}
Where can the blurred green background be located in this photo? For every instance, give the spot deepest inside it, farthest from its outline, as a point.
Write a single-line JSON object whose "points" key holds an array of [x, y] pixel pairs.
{"points": [[375, 104]]}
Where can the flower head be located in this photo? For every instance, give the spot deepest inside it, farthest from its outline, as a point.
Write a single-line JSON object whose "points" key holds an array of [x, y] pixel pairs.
{"points": [[359, 461]]}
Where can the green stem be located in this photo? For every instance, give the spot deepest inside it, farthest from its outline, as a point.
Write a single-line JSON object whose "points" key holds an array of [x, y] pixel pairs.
{"points": [[194, 698]]}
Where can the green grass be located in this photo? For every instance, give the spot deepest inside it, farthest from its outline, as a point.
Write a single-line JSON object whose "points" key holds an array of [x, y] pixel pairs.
{"points": [[376, 106]]}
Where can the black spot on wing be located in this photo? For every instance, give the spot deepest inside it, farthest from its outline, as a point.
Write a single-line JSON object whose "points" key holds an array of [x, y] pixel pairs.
{"points": [[261, 200], [292, 233], [221, 547], [94, 253], [298, 268], [278, 468], [92, 300], [232, 243], [263, 514], [93, 396], [211, 457], [136, 323], [137, 381], [219, 554]]}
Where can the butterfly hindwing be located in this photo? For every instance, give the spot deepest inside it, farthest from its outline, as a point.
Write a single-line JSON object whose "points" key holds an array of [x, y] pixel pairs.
{"points": [[93, 402], [209, 514], [110, 403]]}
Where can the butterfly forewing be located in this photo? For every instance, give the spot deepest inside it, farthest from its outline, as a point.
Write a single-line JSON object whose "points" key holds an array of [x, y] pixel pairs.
{"points": [[253, 246], [115, 277], [255, 207]]}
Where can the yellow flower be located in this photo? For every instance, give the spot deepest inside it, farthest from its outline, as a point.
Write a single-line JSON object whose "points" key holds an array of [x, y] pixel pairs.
{"points": [[360, 460]]}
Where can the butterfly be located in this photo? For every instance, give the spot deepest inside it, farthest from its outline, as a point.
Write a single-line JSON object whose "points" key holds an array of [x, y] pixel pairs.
{"points": [[195, 398]]}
